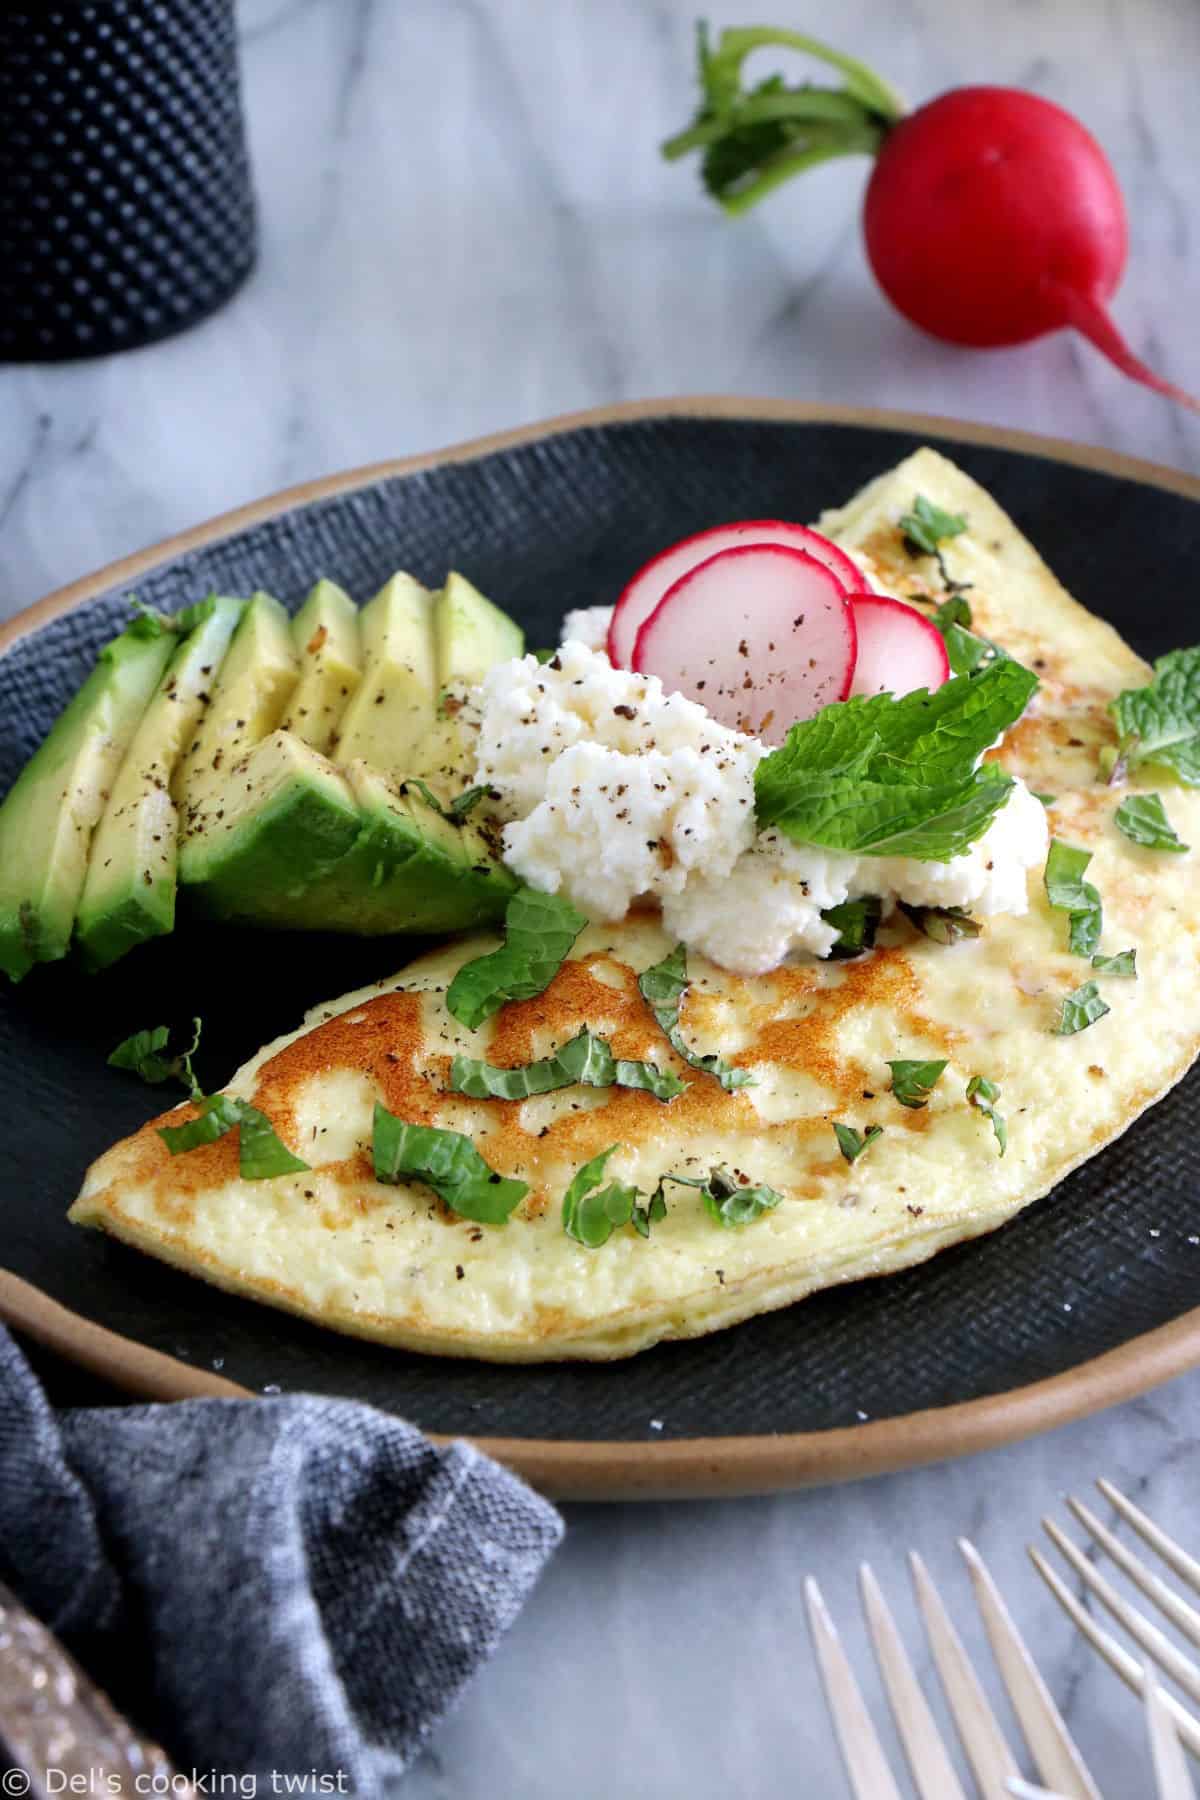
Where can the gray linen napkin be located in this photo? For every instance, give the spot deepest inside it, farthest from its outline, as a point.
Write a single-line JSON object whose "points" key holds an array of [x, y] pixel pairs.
{"points": [[264, 1585]]}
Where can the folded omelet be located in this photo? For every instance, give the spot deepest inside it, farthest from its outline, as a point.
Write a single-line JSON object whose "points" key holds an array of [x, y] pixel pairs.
{"points": [[393, 1263]]}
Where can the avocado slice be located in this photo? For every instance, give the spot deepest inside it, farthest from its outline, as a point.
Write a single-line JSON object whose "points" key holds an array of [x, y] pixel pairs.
{"points": [[472, 634], [260, 670], [129, 891], [47, 820], [328, 641], [392, 712], [283, 819]]}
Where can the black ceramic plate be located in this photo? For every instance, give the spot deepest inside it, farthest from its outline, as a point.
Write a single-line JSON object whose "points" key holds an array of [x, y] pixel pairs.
{"points": [[546, 520]]}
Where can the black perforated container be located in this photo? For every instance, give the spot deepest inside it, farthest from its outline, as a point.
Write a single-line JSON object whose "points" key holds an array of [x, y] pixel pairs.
{"points": [[126, 208]]}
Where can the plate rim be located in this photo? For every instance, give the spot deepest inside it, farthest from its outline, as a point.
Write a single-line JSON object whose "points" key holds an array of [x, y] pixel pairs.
{"points": [[697, 1467]]}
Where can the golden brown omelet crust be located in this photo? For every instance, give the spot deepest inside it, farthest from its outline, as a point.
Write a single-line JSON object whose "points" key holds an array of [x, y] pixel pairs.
{"points": [[394, 1264]]}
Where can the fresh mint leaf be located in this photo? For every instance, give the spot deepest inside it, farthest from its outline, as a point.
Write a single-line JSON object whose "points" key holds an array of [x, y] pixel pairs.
{"points": [[447, 1162], [545, 656], [984, 1094], [1081, 1008], [913, 1082], [1068, 892], [663, 988], [1046, 799], [733, 1204], [1123, 963], [539, 930], [1143, 819], [261, 1151], [852, 1143], [143, 1053], [1159, 724], [926, 526], [856, 922], [944, 924], [882, 776], [585, 1058]]}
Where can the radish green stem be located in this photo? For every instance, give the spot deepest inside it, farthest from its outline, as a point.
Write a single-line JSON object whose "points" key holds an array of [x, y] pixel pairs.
{"points": [[874, 92]]}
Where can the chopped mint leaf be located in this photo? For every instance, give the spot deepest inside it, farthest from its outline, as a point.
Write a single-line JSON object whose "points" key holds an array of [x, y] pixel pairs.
{"points": [[1159, 724], [143, 1053], [545, 656], [1068, 892], [944, 924], [447, 1162], [927, 526], [458, 808], [887, 777], [984, 1094], [1080, 1009], [913, 1082], [217, 1115], [663, 988], [585, 1058], [650, 1214], [954, 611], [966, 651], [1143, 819], [852, 1143], [195, 614], [731, 1204], [856, 922], [590, 1213], [147, 621], [1046, 799], [261, 1151], [539, 930], [1123, 963]]}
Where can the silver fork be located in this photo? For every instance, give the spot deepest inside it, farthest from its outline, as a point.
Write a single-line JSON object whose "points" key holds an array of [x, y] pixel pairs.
{"points": [[1144, 1632], [997, 1776]]}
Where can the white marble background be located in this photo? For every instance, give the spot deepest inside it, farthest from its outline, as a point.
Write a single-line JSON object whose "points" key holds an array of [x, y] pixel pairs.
{"points": [[465, 225]]}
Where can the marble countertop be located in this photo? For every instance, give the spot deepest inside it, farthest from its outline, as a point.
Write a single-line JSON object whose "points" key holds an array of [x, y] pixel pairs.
{"points": [[465, 226]]}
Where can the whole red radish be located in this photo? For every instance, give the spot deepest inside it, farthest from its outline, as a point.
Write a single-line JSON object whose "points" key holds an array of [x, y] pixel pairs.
{"points": [[991, 216]]}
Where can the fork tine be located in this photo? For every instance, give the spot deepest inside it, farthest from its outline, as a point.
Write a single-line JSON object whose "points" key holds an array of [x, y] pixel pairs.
{"points": [[1170, 1768], [932, 1769], [1054, 1752], [862, 1753], [1185, 1566], [1139, 1627], [982, 1739], [1185, 1617], [1113, 1653]]}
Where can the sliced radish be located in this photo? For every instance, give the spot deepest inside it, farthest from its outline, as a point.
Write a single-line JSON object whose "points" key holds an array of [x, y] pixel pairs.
{"points": [[761, 635], [649, 585], [898, 648]]}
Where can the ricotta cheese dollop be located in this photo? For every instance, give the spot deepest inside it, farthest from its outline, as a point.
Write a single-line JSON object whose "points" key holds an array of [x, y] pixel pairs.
{"points": [[613, 790]]}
